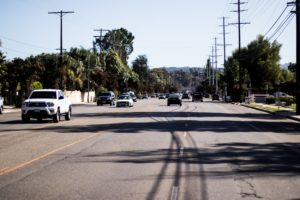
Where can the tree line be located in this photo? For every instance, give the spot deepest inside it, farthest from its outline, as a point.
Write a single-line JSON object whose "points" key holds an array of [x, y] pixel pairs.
{"points": [[101, 68], [256, 67], [105, 67]]}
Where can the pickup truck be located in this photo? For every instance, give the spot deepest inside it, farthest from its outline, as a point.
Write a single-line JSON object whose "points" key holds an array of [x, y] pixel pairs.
{"points": [[1, 105], [46, 103]]}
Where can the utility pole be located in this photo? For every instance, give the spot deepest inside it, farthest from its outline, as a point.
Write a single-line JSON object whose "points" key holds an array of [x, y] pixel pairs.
{"points": [[298, 57], [212, 66], [224, 39], [224, 54], [297, 12], [100, 37], [239, 23], [216, 64], [61, 14], [208, 70]]}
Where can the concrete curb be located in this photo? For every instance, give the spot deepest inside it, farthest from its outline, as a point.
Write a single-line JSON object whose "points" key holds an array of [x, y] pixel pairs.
{"points": [[274, 113]]}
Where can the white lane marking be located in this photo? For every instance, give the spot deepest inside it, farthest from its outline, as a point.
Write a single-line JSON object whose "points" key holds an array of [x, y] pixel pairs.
{"points": [[181, 151], [174, 193], [185, 133]]}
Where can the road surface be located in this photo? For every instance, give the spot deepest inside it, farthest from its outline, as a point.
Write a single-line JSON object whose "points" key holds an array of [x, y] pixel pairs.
{"points": [[201, 150]]}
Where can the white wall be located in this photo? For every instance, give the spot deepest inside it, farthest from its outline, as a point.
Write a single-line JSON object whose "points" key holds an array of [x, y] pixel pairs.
{"points": [[80, 97]]}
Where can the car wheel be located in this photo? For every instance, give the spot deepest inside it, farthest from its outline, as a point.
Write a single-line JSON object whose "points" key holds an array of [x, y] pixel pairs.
{"points": [[25, 119], [68, 114], [56, 117]]}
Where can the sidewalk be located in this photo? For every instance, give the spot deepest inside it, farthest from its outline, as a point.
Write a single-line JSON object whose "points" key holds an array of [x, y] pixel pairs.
{"points": [[282, 111], [13, 109]]}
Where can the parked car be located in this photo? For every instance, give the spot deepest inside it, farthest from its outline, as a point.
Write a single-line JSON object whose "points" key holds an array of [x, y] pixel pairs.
{"points": [[197, 96], [124, 101], [133, 96], [280, 94], [106, 98], [1, 105], [174, 99], [145, 96], [46, 103], [215, 97]]}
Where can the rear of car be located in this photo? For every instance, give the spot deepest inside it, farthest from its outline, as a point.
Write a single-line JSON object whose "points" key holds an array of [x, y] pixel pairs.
{"points": [[215, 97], [197, 96], [185, 96], [174, 99]]}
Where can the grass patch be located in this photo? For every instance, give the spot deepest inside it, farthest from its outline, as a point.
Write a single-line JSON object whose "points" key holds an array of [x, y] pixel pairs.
{"points": [[293, 106], [266, 107]]}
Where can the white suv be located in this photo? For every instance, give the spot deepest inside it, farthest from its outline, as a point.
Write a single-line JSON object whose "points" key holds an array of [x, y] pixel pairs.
{"points": [[46, 103]]}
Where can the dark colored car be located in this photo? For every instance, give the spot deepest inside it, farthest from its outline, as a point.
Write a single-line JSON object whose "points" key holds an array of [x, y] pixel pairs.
{"points": [[106, 98], [174, 99], [215, 97], [197, 96], [186, 96], [145, 96]]}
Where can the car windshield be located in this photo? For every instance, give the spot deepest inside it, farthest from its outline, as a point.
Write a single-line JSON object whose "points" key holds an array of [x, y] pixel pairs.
{"points": [[43, 95], [105, 94], [124, 97], [175, 95]]}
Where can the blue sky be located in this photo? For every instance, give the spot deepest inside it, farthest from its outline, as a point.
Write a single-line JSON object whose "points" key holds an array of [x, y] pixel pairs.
{"points": [[168, 32]]}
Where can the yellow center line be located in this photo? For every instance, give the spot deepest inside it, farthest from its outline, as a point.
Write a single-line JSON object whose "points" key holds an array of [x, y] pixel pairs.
{"points": [[3, 169], [11, 169]]}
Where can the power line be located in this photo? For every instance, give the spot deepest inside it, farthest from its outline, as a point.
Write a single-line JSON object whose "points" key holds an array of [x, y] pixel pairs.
{"points": [[14, 50], [24, 43], [276, 21], [291, 18], [281, 25]]}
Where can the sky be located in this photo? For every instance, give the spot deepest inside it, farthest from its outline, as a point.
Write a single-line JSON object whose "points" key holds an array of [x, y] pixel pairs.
{"points": [[169, 32]]}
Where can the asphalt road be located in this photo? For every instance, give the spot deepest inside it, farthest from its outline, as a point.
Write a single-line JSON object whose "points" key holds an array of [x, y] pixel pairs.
{"points": [[208, 150]]}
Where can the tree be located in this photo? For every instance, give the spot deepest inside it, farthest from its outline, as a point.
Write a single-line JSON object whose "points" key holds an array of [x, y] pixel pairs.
{"points": [[140, 67], [3, 72], [120, 41], [262, 62], [259, 64]]}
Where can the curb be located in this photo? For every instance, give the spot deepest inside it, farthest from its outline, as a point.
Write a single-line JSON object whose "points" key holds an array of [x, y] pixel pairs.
{"points": [[273, 113]]}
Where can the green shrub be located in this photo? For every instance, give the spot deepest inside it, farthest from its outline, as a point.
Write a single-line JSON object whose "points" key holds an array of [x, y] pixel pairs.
{"points": [[289, 100], [270, 100], [101, 89], [36, 85]]}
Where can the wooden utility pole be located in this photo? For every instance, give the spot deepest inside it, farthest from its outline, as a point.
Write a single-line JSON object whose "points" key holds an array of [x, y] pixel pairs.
{"points": [[61, 14], [239, 23]]}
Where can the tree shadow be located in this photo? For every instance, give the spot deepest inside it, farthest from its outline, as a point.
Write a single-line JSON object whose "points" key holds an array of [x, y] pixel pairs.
{"points": [[273, 159]]}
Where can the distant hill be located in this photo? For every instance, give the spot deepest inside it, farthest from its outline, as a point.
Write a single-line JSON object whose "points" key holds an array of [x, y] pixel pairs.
{"points": [[285, 66], [185, 69]]}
